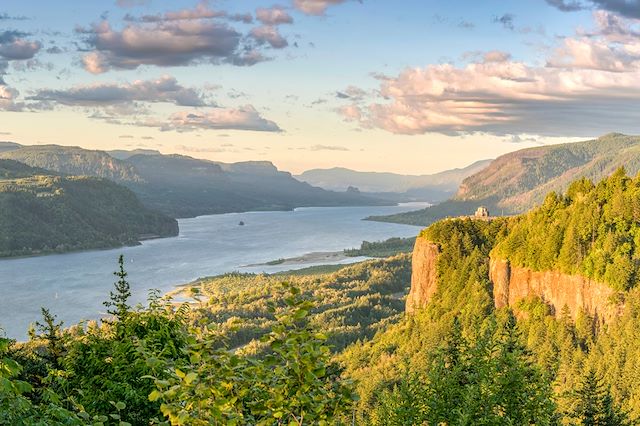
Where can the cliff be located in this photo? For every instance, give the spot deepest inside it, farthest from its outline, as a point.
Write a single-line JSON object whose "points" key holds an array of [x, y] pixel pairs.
{"points": [[513, 284], [424, 274]]}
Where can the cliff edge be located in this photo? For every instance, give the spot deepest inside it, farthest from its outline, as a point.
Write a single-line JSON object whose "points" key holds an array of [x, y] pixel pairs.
{"points": [[556, 289], [424, 274], [513, 284]]}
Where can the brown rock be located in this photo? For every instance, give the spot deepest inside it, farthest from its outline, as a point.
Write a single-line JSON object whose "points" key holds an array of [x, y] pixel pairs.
{"points": [[424, 274], [512, 284]]}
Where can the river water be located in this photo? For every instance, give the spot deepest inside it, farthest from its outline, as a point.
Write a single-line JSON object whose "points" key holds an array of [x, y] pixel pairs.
{"points": [[74, 285]]}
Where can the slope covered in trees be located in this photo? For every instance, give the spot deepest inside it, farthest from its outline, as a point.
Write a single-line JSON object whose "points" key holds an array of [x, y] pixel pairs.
{"points": [[75, 161], [592, 231], [45, 213], [515, 182]]}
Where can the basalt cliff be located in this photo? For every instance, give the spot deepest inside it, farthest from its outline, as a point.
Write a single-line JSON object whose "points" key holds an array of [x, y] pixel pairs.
{"points": [[512, 284]]}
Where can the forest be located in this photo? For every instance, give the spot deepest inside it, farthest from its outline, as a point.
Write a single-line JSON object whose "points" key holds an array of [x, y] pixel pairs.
{"points": [[335, 347], [41, 212]]}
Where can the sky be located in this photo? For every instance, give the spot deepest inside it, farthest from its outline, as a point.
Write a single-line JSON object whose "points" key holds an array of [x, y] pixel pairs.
{"points": [[406, 86]]}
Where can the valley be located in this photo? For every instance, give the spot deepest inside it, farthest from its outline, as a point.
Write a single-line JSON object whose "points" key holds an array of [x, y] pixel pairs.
{"points": [[320, 213], [74, 284]]}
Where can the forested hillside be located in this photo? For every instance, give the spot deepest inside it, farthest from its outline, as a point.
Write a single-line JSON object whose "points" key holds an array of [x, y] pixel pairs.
{"points": [[73, 161], [517, 181], [592, 231], [42, 213]]}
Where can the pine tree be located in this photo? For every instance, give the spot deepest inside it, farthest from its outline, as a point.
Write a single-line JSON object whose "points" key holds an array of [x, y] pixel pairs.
{"points": [[594, 405], [51, 332], [118, 299]]}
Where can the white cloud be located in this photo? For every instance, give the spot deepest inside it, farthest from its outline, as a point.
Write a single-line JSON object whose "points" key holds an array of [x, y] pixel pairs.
{"points": [[590, 85], [315, 7], [244, 118]]}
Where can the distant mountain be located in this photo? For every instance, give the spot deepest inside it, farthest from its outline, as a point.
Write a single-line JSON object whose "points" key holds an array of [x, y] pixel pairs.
{"points": [[41, 213], [517, 181], [434, 187], [71, 160], [121, 154], [8, 146], [182, 186]]}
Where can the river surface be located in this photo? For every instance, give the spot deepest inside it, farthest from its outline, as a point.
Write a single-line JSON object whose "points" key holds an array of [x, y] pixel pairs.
{"points": [[74, 285]]}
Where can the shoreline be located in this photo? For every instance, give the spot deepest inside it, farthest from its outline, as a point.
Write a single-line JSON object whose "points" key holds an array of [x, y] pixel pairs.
{"points": [[310, 258], [180, 292]]}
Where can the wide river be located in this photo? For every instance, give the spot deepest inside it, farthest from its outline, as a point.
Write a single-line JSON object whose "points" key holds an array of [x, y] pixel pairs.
{"points": [[74, 285]]}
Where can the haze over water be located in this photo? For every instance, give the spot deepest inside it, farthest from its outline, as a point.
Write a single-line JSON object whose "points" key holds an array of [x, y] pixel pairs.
{"points": [[74, 285]]}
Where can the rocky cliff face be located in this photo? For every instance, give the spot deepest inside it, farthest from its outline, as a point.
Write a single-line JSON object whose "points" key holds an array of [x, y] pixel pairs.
{"points": [[512, 284], [424, 274]]}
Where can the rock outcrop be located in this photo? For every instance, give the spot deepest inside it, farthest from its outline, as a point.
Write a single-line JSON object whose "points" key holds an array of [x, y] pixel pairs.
{"points": [[512, 284], [424, 274]]}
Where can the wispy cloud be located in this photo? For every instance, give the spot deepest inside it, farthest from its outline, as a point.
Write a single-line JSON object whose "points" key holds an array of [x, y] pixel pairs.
{"points": [[315, 7], [6, 17], [269, 34], [131, 3], [627, 8], [164, 89], [327, 148], [505, 20], [273, 16], [244, 118]]}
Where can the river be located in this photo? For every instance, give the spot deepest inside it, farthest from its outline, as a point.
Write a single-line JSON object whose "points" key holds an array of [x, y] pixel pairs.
{"points": [[74, 285]]}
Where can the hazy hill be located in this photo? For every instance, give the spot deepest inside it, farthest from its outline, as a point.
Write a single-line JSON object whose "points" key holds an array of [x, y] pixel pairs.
{"points": [[434, 187], [8, 146], [44, 213], [122, 154], [515, 182], [72, 160], [182, 186]]}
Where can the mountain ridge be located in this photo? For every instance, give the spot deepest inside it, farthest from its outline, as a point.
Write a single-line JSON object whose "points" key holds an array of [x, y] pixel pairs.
{"points": [[518, 181], [183, 186], [436, 186]]}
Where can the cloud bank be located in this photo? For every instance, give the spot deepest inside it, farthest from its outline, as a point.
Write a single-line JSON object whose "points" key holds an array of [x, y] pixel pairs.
{"points": [[179, 38], [590, 85]]}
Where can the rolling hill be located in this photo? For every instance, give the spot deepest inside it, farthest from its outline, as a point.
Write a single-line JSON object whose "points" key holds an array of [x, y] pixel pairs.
{"points": [[518, 181], [43, 213]]}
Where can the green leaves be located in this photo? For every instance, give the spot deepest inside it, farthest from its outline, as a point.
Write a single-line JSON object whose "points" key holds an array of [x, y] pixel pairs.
{"points": [[293, 382]]}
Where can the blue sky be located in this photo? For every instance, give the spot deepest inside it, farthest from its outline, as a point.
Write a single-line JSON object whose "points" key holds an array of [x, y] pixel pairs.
{"points": [[405, 86]]}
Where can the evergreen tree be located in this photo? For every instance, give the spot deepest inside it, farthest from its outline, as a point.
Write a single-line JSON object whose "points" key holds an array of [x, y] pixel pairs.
{"points": [[118, 303], [50, 332], [594, 405]]}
